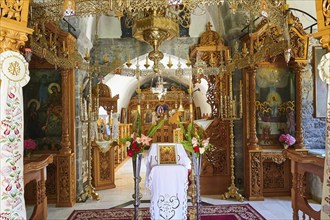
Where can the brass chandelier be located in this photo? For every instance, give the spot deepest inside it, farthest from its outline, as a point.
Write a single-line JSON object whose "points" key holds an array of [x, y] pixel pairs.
{"points": [[153, 21]]}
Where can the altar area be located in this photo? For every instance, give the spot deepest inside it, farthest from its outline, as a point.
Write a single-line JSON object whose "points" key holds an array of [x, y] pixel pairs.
{"points": [[121, 196]]}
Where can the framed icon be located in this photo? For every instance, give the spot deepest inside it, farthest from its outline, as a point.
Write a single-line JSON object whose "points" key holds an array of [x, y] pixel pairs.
{"points": [[167, 154]]}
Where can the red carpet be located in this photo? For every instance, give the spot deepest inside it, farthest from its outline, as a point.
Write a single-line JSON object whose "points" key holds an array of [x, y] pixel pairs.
{"points": [[216, 212]]}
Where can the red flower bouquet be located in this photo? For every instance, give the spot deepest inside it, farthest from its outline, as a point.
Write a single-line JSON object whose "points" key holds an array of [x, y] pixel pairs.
{"points": [[137, 142], [195, 143]]}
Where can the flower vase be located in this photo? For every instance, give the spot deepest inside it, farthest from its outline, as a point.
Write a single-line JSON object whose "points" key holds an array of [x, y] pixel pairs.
{"points": [[285, 146], [197, 162], [137, 195]]}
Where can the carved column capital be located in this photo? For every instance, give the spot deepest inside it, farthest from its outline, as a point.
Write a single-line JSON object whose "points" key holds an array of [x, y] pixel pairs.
{"points": [[13, 22]]}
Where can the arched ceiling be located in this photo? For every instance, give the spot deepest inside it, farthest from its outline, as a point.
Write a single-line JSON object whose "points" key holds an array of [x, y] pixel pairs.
{"points": [[228, 26]]}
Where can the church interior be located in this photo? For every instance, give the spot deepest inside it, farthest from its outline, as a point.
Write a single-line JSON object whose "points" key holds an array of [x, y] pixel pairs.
{"points": [[79, 77]]}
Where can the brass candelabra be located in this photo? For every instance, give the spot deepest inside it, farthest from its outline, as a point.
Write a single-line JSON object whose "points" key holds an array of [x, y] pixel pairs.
{"points": [[227, 111], [89, 115]]}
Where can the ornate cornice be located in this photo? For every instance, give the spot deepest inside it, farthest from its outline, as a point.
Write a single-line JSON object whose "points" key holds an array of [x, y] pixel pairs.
{"points": [[13, 22], [276, 157]]}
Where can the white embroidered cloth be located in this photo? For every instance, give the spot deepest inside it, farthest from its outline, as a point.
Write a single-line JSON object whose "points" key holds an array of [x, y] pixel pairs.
{"points": [[152, 159], [168, 185]]}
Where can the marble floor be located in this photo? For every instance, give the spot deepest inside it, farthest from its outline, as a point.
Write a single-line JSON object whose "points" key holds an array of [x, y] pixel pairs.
{"points": [[271, 208]]}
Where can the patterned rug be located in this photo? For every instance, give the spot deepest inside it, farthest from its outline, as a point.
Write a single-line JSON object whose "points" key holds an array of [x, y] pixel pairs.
{"points": [[216, 212]]}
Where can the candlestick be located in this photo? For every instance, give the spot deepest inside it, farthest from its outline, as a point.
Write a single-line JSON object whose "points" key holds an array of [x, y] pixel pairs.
{"points": [[190, 84], [240, 99], [220, 107], [234, 108], [225, 107], [50, 39]]}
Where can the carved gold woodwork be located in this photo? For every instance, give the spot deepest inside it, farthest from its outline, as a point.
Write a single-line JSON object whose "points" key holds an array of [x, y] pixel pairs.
{"points": [[323, 23], [301, 164], [255, 191], [103, 169], [106, 100], [276, 174], [150, 101], [215, 167], [54, 45], [66, 180], [154, 28], [62, 173], [298, 40], [120, 150], [211, 49], [261, 181], [13, 25]]}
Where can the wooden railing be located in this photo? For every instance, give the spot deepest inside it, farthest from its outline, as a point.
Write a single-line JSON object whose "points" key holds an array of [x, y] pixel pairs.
{"points": [[302, 163], [120, 148]]}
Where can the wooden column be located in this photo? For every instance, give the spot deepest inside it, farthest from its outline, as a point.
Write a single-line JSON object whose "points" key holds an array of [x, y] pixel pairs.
{"points": [[65, 143], [253, 140], [66, 169], [299, 130]]}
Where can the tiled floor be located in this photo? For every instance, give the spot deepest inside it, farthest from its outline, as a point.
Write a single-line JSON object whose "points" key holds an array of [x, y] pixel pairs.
{"points": [[271, 208]]}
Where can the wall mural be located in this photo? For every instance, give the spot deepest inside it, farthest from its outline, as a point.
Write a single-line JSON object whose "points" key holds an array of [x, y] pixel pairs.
{"points": [[43, 109]]}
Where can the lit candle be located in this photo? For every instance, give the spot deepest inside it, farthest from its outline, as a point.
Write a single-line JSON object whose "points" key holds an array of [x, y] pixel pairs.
{"points": [[228, 54]]}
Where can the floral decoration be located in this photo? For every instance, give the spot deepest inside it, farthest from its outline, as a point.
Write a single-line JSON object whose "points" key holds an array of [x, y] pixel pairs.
{"points": [[11, 172], [287, 139], [137, 142], [29, 146], [194, 140]]}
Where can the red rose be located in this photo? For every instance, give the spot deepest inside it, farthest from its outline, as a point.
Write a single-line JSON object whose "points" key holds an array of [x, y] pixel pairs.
{"points": [[134, 146], [196, 149], [130, 153]]}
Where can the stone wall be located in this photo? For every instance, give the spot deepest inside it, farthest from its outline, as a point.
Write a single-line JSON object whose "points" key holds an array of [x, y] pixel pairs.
{"points": [[314, 128]]}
